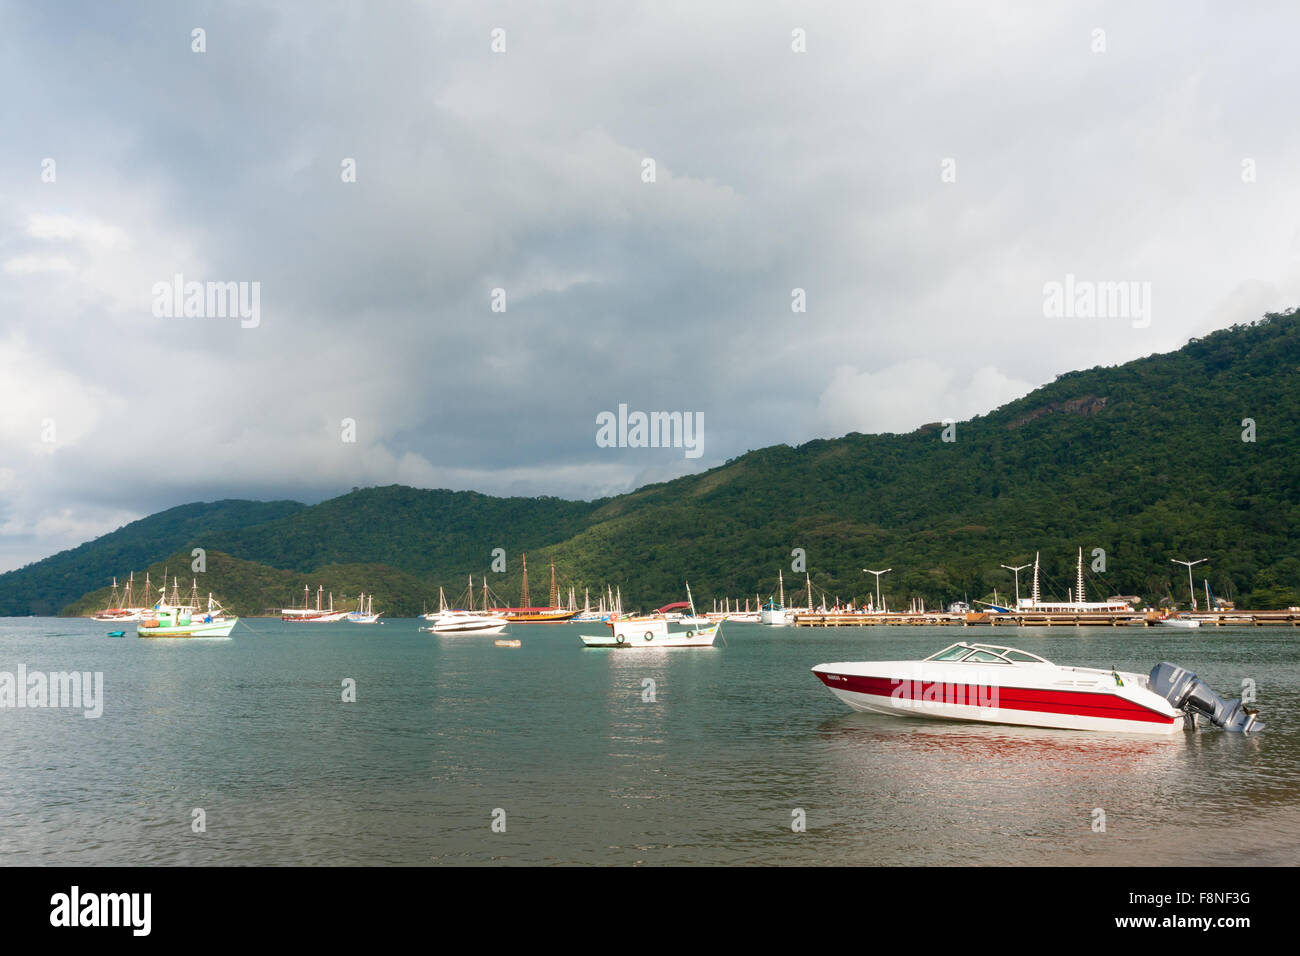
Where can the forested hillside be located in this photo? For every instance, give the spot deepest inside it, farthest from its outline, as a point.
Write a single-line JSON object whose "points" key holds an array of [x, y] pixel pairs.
{"points": [[1145, 461]]}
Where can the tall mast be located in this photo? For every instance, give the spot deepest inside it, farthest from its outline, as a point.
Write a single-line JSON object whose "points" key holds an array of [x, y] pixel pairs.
{"points": [[807, 580], [780, 584], [524, 600], [1191, 588], [555, 601], [1078, 591], [1034, 592]]}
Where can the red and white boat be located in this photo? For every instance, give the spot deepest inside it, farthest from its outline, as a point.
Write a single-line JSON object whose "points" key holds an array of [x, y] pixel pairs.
{"points": [[991, 683], [318, 615]]}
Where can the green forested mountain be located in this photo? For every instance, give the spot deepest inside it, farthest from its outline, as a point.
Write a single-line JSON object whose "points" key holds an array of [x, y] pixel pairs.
{"points": [[1145, 461], [249, 588], [46, 586], [423, 532]]}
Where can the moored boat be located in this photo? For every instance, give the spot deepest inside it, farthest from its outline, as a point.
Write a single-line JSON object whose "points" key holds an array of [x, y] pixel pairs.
{"points": [[321, 614], [653, 632], [991, 683], [775, 612], [120, 609], [172, 620], [365, 612], [691, 630], [550, 614], [465, 622]]}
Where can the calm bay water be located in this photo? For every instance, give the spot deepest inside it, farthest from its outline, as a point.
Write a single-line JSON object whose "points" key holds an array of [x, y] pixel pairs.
{"points": [[445, 730]]}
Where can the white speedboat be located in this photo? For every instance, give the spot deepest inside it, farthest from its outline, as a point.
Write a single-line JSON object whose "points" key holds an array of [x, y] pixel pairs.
{"points": [[465, 622], [653, 632], [1002, 685], [1178, 622]]}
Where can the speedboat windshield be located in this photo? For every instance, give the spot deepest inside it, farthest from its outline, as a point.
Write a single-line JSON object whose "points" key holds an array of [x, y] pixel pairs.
{"points": [[986, 654], [954, 653]]}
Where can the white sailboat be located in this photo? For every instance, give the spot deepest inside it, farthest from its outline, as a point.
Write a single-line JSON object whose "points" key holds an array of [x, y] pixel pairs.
{"points": [[122, 609], [319, 615], [775, 612], [365, 612], [1076, 603]]}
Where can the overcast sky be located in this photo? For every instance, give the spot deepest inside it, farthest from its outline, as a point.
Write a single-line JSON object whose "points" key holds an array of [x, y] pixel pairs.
{"points": [[920, 170]]}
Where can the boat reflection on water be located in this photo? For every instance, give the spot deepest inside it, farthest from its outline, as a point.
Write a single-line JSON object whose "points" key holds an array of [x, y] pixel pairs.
{"points": [[1010, 746]]}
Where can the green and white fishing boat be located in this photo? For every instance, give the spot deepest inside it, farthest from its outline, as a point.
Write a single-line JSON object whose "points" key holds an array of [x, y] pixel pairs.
{"points": [[176, 620]]}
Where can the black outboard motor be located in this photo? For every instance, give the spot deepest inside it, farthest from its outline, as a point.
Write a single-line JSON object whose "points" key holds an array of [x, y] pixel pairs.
{"points": [[1185, 690]]}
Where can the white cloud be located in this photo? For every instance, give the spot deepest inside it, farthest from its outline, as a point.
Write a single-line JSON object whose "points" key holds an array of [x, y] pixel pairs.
{"points": [[63, 228], [522, 170], [902, 397], [30, 265]]}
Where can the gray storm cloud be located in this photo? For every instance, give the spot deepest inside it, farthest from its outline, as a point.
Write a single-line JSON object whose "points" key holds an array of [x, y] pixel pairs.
{"points": [[921, 172]]}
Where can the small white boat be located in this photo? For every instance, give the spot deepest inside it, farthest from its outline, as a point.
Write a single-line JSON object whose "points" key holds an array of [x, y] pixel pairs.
{"points": [[1178, 622], [653, 632], [775, 612], [365, 612], [994, 684]]}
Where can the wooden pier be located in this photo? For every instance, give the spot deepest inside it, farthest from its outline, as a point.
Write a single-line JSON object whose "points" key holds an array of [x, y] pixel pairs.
{"points": [[1290, 618]]}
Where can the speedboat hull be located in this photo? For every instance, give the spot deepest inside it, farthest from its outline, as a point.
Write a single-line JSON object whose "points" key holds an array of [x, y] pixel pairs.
{"points": [[1037, 694], [460, 622]]}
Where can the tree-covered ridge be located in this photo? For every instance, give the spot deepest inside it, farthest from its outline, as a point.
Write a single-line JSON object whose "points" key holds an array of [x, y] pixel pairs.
{"points": [[421, 531], [46, 586], [1144, 460], [251, 589], [1157, 469]]}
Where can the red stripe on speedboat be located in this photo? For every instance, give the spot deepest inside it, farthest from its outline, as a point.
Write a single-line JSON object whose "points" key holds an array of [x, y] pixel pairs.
{"points": [[1076, 702]]}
